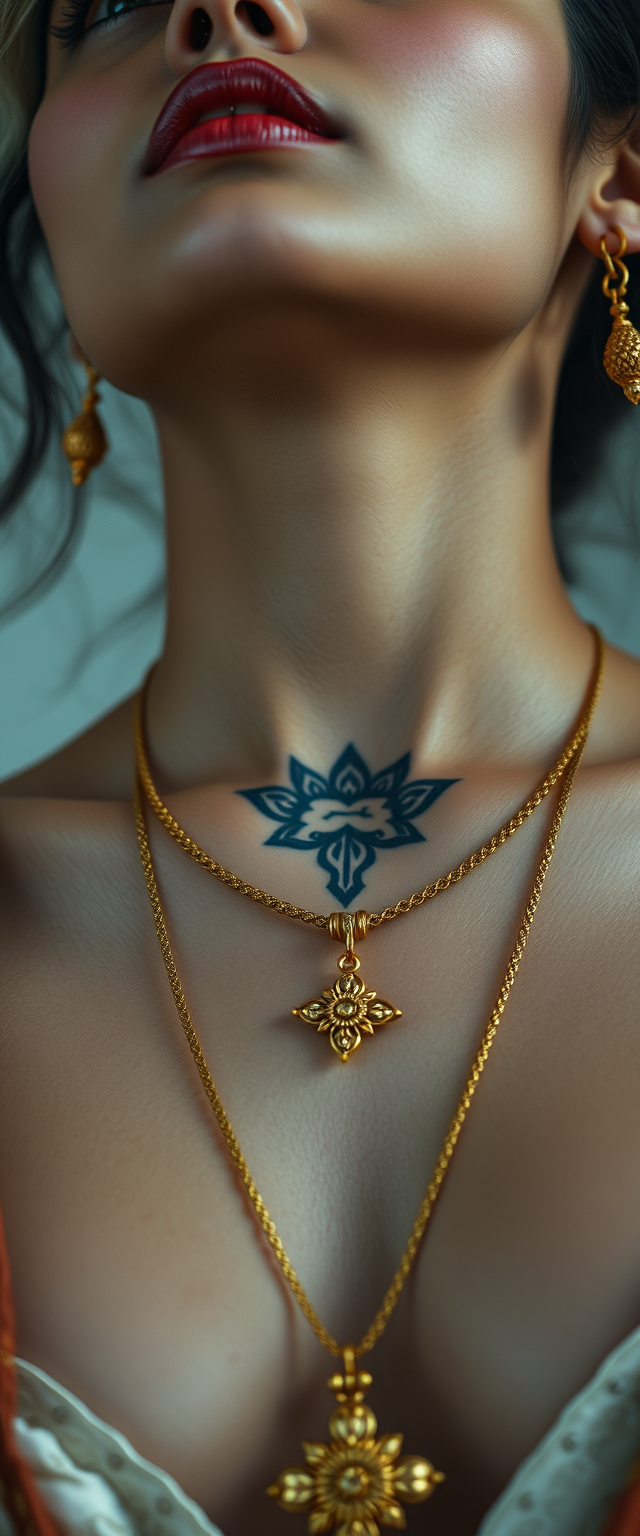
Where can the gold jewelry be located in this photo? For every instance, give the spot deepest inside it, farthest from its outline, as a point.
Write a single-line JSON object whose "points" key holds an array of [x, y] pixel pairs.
{"points": [[348, 1009], [622, 352], [355, 1482], [84, 442]]}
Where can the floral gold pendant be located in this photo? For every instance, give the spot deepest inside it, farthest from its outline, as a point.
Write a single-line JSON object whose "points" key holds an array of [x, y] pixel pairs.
{"points": [[347, 1010], [355, 1483]]}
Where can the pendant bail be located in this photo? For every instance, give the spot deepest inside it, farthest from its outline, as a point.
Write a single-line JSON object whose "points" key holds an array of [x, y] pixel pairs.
{"points": [[358, 923], [349, 928], [350, 1375], [349, 1384]]}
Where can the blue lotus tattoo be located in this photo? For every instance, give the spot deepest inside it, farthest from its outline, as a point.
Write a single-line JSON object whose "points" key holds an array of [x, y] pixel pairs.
{"points": [[347, 818]]}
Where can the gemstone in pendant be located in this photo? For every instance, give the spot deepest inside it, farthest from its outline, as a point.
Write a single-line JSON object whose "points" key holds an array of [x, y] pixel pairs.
{"points": [[345, 1039], [354, 1482]]}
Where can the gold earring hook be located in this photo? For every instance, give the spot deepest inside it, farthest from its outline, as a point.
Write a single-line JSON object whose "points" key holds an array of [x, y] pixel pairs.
{"points": [[616, 269]]}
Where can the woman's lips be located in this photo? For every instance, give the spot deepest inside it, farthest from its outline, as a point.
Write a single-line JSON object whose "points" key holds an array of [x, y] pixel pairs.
{"points": [[280, 113]]}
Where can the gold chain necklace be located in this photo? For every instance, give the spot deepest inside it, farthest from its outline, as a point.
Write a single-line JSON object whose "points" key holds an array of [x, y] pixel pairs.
{"points": [[356, 1482], [348, 1009]]}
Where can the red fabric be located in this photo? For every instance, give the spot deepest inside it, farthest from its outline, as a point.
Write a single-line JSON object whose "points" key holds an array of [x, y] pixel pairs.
{"points": [[19, 1491], [625, 1520]]}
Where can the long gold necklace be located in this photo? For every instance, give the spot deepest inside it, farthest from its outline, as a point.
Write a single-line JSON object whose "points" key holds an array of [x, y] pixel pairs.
{"points": [[356, 1482], [348, 1010]]}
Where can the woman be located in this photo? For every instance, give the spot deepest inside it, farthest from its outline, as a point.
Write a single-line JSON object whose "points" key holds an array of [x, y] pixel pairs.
{"points": [[347, 304]]}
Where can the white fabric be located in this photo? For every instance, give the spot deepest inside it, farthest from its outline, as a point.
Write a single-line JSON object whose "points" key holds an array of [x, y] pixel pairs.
{"points": [[570, 1482], [95, 1484], [91, 1479]]}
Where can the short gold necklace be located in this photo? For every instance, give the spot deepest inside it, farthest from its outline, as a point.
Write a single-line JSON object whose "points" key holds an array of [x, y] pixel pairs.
{"points": [[348, 1009], [355, 1482]]}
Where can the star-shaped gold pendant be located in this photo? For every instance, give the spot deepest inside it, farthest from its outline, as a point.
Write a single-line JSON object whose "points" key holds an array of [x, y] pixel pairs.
{"points": [[347, 1010], [356, 1483]]}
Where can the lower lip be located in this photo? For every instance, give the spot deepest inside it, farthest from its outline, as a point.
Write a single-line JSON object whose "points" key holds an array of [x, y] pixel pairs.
{"points": [[239, 135]]}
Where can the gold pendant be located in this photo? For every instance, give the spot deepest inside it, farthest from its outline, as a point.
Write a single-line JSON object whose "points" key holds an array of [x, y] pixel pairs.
{"points": [[347, 1009], [356, 1483]]}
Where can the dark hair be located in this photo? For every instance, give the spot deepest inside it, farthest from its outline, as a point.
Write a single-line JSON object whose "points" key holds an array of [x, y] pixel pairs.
{"points": [[604, 46]]}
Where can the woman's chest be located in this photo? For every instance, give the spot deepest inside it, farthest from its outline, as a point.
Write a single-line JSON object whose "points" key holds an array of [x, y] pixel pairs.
{"points": [[141, 1278]]}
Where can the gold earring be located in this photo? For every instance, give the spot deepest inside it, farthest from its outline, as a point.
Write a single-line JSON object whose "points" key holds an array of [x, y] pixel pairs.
{"points": [[622, 352], [84, 442]]}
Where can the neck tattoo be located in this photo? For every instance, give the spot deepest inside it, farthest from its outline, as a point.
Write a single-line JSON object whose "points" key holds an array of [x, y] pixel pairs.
{"points": [[349, 1009], [349, 817]]}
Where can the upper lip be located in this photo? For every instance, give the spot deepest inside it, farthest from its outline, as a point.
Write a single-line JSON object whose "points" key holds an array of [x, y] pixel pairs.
{"points": [[239, 81]]}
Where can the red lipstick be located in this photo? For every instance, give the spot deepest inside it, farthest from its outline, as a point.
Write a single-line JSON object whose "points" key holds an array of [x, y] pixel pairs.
{"points": [[281, 114]]}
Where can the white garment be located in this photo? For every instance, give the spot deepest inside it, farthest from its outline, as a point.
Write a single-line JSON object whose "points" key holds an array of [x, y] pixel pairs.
{"points": [[570, 1482], [95, 1484], [92, 1480]]}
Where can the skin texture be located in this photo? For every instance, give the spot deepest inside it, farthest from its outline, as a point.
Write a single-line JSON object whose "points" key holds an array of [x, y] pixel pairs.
{"points": [[351, 351]]}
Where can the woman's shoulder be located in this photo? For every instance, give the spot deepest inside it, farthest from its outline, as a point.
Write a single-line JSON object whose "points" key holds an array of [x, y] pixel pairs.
{"points": [[603, 834], [614, 738], [97, 765], [64, 862]]}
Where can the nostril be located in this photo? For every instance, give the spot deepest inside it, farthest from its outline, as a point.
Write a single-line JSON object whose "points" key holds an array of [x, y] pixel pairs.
{"points": [[200, 30], [260, 21]]}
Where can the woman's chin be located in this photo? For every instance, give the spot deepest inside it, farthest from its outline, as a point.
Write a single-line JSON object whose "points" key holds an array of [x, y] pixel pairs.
{"points": [[239, 247]]}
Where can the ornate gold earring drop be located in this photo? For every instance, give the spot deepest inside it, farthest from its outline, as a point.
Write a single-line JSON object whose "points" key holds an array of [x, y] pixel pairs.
{"points": [[622, 352], [84, 442]]}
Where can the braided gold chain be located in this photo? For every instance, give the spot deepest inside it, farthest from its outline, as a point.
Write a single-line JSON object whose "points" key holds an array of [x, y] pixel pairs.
{"points": [[407, 903], [233, 1146]]}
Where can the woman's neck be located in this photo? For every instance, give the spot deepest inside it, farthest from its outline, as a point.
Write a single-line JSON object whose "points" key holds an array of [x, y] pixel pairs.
{"points": [[360, 550]]}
